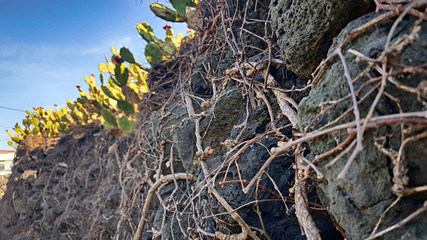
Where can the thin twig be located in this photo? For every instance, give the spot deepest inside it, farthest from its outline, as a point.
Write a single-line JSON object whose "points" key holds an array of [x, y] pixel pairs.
{"points": [[356, 112], [401, 223], [384, 213], [321, 69], [413, 117], [153, 189]]}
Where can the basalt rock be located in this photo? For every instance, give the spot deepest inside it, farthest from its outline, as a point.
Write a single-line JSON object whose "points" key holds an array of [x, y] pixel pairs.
{"points": [[358, 200], [96, 186], [305, 29]]}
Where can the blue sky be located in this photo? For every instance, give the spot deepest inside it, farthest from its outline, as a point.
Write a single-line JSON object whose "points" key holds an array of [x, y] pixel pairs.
{"points": [[48, 46]]}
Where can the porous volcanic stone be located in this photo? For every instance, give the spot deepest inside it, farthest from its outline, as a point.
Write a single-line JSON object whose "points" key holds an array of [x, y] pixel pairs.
{"points": [[305, 29], [358, 200]]}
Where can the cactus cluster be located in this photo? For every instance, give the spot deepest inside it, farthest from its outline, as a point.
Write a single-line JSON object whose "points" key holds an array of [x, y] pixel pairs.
{"points": [[168, 14], [186, 11], [46, 122], [115, 103], [158, 50], [124, 90]]}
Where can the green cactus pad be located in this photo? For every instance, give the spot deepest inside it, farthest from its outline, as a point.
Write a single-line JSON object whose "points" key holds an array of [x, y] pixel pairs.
{"points": [[79, 115], [153, 53], [130, 94], [146, 32], [36, 130], [101, 78], [180, 5], [108, 92], [168, 49], [70, 105], [109, 119], [169, 35], [16, 139], [125, 106], [122, 74], [167, 14], [126, 125], [126, 55]]}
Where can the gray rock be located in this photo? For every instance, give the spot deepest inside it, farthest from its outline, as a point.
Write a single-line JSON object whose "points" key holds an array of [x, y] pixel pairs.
{"points": [[228, 110], [359, 200], [305, 29], [185, 143]]}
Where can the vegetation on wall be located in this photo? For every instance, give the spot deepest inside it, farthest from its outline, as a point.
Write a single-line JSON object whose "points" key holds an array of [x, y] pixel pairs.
{"points": [[115, 103]]}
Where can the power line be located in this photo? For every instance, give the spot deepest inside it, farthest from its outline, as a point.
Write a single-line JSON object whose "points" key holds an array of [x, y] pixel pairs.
{"points": [[13, 109]]}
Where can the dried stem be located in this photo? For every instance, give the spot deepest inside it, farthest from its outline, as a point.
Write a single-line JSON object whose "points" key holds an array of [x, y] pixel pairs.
{"points": [[162, 180], [359, 145], [414, 117], [401, 223], [301, 202]]}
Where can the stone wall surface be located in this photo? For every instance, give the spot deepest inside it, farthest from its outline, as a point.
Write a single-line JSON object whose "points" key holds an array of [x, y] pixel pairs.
{"points": [[305, 29], [359, 200], [210, 124]]}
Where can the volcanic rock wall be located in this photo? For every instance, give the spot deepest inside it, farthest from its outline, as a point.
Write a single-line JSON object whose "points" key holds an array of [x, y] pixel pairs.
{"points": [[228, 106]]}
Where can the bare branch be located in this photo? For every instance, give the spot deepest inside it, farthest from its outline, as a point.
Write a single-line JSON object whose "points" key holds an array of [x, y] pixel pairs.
{"points": [[162, 180]]}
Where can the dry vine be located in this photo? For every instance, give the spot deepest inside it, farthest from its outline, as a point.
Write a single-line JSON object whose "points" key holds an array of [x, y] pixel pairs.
{"points": [[243, 72], [150, 162]]}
